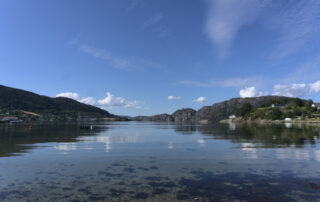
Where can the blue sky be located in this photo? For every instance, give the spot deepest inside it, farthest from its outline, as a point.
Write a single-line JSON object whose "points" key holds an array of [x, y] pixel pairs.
{"points": [[142, 57]]}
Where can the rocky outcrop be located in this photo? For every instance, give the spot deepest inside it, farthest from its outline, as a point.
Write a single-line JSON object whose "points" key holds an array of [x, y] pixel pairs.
{"points": [[215, 112], [159, 117], [223, 110], [187, 115]]}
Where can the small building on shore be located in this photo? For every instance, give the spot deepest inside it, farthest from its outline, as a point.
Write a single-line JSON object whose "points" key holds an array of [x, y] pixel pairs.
{"points": [[278, 105], [288, 119], [316, 105], [9, 119]]}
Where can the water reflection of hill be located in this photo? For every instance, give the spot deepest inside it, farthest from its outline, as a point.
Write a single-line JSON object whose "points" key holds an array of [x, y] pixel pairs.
{"points": [[260, 135], [15, 140]]}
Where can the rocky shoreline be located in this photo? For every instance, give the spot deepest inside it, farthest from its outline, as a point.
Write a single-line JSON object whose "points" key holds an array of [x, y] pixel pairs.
{"points": [[261, 121], [213, 113]]}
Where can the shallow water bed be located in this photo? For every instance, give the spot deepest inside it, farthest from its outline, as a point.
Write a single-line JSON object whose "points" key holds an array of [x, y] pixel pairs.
{"points": [[131, 161]]}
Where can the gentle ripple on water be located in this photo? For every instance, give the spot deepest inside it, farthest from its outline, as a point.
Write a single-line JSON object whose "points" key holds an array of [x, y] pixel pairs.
{"points": [[131, 161]]}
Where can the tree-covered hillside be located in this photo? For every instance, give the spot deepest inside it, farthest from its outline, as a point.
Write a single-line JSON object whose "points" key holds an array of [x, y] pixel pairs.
{"points": [[294, 109], [16, 101]]}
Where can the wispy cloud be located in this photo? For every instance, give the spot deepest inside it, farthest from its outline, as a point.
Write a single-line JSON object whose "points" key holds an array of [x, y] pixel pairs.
{"points": [[306, 72], [226, 17], [155, 19], [298, 23], [154, 24], [115, 61], [133, 4], [194, 83], [171, 97], [294, 24], [235, 82]]}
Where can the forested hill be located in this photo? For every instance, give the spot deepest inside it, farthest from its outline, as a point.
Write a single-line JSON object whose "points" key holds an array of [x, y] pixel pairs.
{"points": [[221, 110], [15, 100]]}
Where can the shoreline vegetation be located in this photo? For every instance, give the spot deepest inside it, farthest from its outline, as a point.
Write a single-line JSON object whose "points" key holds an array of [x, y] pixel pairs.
{"points": [[263, 109], [293, 111], [263, 121], [18, 106], [22, 106]]}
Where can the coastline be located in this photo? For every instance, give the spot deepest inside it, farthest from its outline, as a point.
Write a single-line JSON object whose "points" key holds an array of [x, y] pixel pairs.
{"points": [[263, 121]]}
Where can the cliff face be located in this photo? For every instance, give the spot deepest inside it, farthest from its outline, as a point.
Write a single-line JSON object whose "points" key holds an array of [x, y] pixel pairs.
{"points": [[215, 112], [180, 116], [184, 116], [223, 110], [158, 117]]}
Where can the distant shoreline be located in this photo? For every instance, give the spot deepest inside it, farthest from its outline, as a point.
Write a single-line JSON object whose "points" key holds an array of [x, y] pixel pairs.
{"points": [[262, 121]]}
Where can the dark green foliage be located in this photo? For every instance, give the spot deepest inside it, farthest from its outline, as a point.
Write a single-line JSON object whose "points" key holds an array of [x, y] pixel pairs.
{"points": [[297, 112], [258, 113], [244, 110], [275, 114], [290, 114], [308, 105], [12, 99], [298, 102], [294, 108]]}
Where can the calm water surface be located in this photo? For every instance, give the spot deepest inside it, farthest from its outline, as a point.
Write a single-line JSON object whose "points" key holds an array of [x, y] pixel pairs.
{"points": [[130, 161]]}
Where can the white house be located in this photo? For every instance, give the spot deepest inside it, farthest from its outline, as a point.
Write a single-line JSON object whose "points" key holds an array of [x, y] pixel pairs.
{"points": [[287, 119], [232, 116], [277, 105]]}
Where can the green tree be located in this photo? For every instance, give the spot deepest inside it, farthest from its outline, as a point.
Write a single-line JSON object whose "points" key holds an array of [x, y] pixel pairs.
{"points": [[290, 114], [245, 109], [275, 114], [297, 102], [308, 105]]}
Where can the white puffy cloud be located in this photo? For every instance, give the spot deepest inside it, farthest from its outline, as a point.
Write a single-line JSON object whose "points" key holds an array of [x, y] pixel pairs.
{"points": [[88, 100], [293, 90], [315, 86], [76, 96], [199, 100], [109, 101], [249, 92], [171, 97], [71, 95], [112, 101], [288, 90]]}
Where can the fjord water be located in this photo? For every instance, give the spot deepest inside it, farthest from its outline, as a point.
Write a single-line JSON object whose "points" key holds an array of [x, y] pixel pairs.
{"points": [[132, 161]]}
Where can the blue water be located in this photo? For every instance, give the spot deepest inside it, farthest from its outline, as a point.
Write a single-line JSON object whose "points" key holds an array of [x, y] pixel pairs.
{"points": [[141, 161]]}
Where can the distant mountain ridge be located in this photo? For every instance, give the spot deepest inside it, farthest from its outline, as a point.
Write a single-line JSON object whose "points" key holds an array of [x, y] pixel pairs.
{"points": [[216, 112], [12, 99]]}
